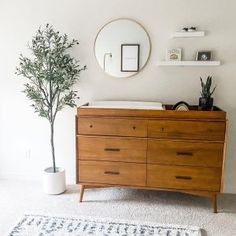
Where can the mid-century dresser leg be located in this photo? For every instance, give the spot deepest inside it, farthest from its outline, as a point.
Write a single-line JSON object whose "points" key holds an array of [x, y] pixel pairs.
{"points": [[214, 199], [81, 192]]}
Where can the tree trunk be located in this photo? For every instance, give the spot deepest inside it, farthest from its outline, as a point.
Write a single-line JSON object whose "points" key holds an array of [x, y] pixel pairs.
{"points": [[52, 146]]}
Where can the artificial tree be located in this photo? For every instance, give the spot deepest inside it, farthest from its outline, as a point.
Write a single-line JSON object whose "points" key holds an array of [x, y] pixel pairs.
{"points": [[51, 73]]}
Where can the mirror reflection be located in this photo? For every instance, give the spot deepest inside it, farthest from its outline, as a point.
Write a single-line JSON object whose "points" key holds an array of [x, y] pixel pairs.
{"points": [[122, 48]]}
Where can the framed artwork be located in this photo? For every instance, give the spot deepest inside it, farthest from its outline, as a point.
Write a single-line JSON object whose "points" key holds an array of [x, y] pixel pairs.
{"points": [[174, 54], [130, 57], [203, 56]]}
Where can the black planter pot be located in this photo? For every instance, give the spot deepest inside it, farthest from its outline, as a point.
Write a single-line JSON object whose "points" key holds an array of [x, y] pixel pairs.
{"points": [[205, 103]]}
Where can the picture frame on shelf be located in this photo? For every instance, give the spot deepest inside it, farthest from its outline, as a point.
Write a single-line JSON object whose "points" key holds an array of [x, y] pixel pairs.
{"points": [[174, 54], [204, 56], [130, 57]]}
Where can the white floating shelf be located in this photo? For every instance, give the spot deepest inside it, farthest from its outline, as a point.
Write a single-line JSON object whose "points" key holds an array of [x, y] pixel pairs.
{"points": [[193, 34], [188, 63]]}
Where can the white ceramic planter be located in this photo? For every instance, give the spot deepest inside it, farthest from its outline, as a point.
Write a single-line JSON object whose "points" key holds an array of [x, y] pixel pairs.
{"points": [[54, 183]]}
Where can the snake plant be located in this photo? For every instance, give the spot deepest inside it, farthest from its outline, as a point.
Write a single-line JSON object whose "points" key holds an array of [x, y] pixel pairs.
{"points": [[206, 87]]}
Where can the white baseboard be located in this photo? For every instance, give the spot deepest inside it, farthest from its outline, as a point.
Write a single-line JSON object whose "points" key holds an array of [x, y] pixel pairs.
{"points": [[230, 189], [70, 179]]}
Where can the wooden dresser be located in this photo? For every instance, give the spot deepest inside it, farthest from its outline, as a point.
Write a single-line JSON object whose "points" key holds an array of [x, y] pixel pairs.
{"points": [[151, 149]]}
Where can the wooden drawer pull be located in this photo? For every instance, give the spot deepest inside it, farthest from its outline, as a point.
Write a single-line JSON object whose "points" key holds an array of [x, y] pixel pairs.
{"points": [[111, 172], [112, 149], [91, 126], [183, 177], [184, 153]]}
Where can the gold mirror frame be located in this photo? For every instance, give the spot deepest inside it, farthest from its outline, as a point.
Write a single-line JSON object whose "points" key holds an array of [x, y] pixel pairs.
{"points": [[149, 39]]}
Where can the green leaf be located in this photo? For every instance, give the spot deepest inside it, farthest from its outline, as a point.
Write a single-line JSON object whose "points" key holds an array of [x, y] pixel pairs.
{"points": [[51, 72], [206, 87]]}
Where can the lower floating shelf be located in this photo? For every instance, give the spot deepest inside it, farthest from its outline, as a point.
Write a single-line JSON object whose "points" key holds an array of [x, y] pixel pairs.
{"points": [[189, 63]]}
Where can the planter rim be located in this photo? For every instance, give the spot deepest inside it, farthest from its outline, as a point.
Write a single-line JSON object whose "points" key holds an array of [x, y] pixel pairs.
{"points": [[206, 97], [49, 170]]}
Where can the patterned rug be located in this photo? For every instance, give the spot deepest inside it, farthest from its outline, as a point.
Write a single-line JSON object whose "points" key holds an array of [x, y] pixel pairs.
{"points": [[40, 225]]}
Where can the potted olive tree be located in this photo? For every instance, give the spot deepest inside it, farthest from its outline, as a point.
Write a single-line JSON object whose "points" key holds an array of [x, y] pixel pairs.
{"points": [[51, 73], [206, 101]]}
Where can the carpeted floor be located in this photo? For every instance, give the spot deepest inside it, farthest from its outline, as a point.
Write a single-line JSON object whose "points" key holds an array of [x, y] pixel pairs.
{"points": [[18, 197]]}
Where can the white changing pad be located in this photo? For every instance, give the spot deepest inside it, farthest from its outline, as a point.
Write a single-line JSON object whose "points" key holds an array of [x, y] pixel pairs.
{"points": [[126, 105]]}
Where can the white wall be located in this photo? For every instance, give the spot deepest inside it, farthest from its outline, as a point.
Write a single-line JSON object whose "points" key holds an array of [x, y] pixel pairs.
{"points": [[21, 130]]}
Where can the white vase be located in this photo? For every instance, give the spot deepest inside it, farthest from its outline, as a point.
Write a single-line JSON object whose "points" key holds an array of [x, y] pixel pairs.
{"points": [[54, 183]]}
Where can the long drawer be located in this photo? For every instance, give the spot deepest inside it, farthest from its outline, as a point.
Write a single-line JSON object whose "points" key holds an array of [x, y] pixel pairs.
{"points": [[112, 127], [119, 173], [112, 149], [173, 129], [206, 154], [183, 177]]}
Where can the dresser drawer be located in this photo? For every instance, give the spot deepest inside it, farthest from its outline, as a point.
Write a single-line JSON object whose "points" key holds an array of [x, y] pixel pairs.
{"points": [[112, 149], [183, 177], [119, 173], [113, 127], [214, 131], [185, 153]]}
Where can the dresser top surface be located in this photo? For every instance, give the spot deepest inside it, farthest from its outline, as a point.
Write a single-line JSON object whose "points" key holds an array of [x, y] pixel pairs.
{"points": [[149, 110]]}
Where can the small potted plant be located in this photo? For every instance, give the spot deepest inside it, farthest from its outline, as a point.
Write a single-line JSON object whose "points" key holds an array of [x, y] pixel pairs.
{"points": [[206, 101], [51, 73]]}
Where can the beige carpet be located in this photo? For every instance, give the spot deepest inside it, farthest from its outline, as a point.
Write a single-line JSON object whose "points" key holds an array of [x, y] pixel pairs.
{"points": [[17, 198]]}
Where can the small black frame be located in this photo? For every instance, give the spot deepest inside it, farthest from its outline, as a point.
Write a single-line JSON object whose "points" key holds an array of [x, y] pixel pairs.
{"points": [[125, 58], [204, 56]]}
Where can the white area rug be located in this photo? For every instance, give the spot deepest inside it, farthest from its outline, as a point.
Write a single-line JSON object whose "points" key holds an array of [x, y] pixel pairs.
{"points": [[40, 225]]}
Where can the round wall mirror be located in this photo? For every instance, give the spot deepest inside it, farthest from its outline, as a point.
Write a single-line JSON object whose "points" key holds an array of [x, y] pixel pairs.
{"points": [[122, 48]]}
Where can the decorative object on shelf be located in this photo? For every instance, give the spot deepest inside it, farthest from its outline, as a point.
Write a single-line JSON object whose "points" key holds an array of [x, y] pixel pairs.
{"points": [[185, 29], [181, 106], [192, 29], [206, 101], [189, 29], [51, 73], [204, 56], [174, 54], [130, 57]]}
